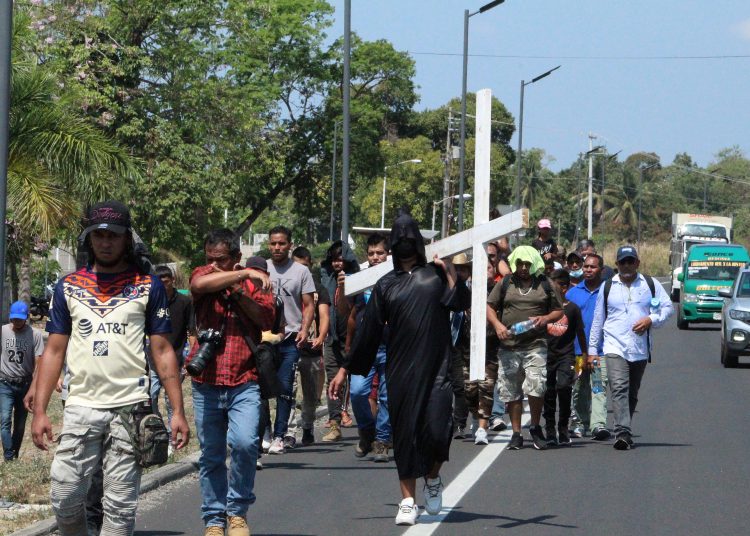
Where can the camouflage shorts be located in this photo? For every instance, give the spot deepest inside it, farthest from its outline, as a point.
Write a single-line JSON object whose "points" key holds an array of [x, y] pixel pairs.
{"points": [[522, 371]]}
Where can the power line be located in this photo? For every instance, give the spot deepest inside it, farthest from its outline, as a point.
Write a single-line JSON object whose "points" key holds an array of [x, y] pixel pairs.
{"points": [[592, 58]]}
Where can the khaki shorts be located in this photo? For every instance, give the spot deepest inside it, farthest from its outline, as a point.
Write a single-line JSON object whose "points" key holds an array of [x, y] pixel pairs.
{"points": [[522, 371]]}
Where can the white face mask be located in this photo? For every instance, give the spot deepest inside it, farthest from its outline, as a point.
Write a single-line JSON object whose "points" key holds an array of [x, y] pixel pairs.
{"points": [[577, 273]]}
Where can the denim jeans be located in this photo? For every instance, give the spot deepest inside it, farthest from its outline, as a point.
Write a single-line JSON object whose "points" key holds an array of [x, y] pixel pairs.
{"points": [[498, 406], [12, 417], [226, 417], [289, 357], [625, 382], [360, 393]]}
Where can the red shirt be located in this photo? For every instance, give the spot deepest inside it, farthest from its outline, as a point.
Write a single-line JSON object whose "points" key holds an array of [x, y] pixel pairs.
{"points": [[234, 363]]}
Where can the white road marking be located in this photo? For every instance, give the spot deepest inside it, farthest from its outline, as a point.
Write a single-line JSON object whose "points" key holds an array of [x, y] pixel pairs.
{"points": [[459, 486]]}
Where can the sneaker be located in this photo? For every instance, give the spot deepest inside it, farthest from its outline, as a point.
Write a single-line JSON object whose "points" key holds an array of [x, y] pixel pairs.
{"points": [[237, 526], [433, 494], [460, 432], [576, 432], [290, 442], [497, 424], [407, 512], [213, 530], [277, 446], [562, 436], [258, 465], [537, 437], [516, 441], [334, 434], [600, 434], [266, 443], [480, 437], [551, 434], [380, 452], [308, 438], [624, 442]]}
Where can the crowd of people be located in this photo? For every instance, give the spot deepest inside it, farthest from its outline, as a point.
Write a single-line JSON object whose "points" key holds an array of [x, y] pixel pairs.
{"points": [[564, 332]]}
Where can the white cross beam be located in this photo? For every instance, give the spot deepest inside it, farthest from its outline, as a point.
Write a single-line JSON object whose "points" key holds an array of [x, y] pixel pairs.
{"points": [[474, 238]]}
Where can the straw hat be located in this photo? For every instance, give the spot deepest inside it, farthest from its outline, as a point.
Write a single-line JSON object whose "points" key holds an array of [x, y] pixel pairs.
{"points": [[461, 260]]}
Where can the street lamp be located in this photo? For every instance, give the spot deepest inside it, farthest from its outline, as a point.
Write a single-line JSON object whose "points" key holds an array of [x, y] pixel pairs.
{"points": [[520, 133], [333, 177], [441, 202], [385, 169], [640, 195], [467, 16]]}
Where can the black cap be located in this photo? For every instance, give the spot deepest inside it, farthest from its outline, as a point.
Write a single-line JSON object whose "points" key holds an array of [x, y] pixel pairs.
{"points": [[110, 215], [256, 262], [626, 251], [574, 255]]}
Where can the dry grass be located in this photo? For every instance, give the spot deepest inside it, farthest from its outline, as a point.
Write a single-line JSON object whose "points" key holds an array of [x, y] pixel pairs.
{"points": [[654, 257], [26, 480]]}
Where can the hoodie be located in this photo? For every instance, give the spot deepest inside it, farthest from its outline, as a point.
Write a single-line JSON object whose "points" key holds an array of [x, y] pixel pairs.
{"points": [[405, 227]]}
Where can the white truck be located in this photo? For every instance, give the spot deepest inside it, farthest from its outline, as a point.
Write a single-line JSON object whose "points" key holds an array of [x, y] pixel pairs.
{"points": [[690, 229]]}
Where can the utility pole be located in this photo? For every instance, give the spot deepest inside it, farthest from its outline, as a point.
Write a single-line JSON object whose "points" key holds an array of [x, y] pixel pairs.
{"points": [[6, 31], [333, 179], [347, 84], [447, 178], [591, 180]]}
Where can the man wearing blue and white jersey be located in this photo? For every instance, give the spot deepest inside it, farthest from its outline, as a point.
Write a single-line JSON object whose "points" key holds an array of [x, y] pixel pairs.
{"points": [[623, 331], [98, 321]]}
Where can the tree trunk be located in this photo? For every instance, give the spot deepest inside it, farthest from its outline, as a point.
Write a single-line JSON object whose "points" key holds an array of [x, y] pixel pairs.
{"points": [[24, 279], [13, 282]]}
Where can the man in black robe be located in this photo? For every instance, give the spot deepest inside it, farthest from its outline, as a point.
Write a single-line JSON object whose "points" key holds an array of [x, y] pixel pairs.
{"points": [[414, 300]]}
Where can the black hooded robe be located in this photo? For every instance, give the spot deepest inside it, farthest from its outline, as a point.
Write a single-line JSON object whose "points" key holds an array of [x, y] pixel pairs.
{"points": [[416, 307]]}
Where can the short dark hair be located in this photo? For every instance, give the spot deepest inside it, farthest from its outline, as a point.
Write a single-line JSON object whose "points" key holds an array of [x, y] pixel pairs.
{"points": [[301, 252], [163, 270], [561, 276], [599, 259], [376, 238], [224, 236], [585, 243], [280, 229]]}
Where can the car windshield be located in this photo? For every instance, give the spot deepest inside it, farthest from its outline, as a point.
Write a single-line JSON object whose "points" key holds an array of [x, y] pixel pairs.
{"points": [[744, 290], [709, 231], [714, 270]]}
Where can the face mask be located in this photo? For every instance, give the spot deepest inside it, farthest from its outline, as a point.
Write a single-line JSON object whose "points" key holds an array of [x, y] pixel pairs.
{"points": [[577, 273], [405, 249]]}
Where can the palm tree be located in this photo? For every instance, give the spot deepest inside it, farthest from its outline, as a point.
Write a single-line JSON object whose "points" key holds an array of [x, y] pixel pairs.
{"points": [[58, 161]]}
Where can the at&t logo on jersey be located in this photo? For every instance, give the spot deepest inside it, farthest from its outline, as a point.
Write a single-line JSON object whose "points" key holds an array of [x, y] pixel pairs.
{"points": [[101, 348], [85, 327]]}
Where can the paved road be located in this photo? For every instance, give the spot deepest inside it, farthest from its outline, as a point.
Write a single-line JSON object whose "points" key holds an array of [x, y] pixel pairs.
{"points": [[688, 475]]}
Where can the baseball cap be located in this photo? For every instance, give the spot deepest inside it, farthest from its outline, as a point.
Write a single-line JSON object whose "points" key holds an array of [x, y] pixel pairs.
{"points": [[259, 263], [110, 215], [626, 251], [574, 255], [544, 223], [19, 310]]}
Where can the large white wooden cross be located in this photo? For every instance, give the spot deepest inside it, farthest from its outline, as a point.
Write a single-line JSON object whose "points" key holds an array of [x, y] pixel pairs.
{"points": [[473, 239]]}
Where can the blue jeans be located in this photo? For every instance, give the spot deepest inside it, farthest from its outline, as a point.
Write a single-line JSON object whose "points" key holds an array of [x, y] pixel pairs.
{"points": [[226, 416], [498, 406], [360, 389], [289, 357], [12, 417]]}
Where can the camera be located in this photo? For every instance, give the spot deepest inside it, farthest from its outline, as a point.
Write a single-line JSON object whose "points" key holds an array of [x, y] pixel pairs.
{"points": [[209, 340]]}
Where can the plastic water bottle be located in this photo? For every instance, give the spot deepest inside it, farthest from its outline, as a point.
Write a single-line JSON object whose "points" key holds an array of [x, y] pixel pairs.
{"points": [[596, 378], [654, 306], [521, 327]]}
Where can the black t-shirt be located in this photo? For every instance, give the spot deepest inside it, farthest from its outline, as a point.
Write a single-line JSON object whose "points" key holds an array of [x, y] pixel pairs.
{"points": [[321, 297], [545, 246], [561, 334], [183, 320]]}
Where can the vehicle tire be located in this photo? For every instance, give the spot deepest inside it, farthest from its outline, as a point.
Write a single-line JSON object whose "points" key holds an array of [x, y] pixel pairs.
{"points": [[682, 323], [728, 359]]}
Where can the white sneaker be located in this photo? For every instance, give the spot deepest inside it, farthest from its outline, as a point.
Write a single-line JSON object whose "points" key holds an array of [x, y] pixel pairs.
{"points": [[480, 437], [433, 494], [277, 446], [266, 443], [407, 512]]}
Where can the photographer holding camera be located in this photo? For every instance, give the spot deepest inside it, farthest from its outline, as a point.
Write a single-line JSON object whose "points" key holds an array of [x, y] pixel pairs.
{"points": [[230, 303]]}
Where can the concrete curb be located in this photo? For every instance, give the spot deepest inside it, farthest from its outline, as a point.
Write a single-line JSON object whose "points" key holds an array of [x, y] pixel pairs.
{"points": [[151, 481]]}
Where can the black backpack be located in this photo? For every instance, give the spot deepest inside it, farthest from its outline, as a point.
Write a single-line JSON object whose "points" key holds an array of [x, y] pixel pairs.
{"points": [[652, 288]]}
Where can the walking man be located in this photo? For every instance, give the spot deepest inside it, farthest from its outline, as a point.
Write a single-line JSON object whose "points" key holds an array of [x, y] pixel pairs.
{"points": [[22, 345], [626, 310], [99, 319]]}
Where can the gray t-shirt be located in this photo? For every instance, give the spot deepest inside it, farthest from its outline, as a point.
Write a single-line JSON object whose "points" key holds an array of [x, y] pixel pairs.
{"points": [[19, 352], [290, 282]]}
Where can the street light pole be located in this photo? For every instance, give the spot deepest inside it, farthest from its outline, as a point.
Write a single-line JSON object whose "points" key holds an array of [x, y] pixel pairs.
{"points": [[442, 202], [346, 121], [462, 165], [520, 135], [590, 211], [385, 171], [333, 178], [6, 32]]}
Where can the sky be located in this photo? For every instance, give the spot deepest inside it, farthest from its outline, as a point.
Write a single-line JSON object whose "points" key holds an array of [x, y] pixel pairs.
{"points": [[641, 75]]}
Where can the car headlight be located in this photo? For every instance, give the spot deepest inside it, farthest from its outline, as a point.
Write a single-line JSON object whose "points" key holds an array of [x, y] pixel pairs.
{"points": [[690, 298], [738, 314]]}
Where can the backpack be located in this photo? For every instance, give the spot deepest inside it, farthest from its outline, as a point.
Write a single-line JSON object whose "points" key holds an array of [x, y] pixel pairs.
{"points": [[652, 288], [505, 283]]}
